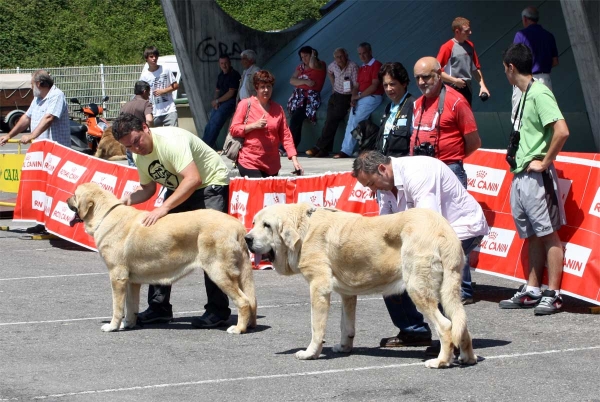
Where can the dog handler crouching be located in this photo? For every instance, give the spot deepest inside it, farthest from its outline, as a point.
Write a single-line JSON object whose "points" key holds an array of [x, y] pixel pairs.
{"points": [[419, 182], [196, 178]]}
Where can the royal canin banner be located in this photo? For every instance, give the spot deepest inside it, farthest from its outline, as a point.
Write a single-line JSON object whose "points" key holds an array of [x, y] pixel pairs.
{"points": [[51, 173]]}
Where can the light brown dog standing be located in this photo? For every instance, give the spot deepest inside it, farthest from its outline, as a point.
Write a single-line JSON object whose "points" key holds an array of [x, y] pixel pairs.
{"points": [[416, 250], [165, 252]]}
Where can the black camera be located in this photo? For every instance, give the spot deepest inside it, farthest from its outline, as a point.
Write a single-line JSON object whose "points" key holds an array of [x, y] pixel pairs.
{"points": [[425, 149], [513, 146]]}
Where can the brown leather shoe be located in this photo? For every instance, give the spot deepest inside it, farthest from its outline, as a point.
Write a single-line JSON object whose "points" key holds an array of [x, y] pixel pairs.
{"points": [[341, 155], [405, 340], [312, 152]]}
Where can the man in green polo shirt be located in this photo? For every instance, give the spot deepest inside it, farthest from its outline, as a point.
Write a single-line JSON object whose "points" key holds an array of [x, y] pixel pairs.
{"points": [[535, 197], [195, 177]]}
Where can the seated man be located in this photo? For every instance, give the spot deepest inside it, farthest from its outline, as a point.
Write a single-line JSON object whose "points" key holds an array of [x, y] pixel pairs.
{"points": [[419, 182], [366, 96], [224, 102]]}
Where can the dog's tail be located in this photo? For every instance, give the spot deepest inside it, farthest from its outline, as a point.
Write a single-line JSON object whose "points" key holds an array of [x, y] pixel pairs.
{"points": [[247, 278], [453, 260]]}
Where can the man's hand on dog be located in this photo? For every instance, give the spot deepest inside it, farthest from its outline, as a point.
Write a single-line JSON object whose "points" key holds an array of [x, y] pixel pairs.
{"points": [[154, 215]]}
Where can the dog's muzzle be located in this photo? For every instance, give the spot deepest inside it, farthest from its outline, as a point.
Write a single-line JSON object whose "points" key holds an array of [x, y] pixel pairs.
{"points": [[76, 219], [250, 242]]}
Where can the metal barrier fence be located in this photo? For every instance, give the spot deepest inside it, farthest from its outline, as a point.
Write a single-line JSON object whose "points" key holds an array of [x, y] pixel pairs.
{"points": [[92, 83]]}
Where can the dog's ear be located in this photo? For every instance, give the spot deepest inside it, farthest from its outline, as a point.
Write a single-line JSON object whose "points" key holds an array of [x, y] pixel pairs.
{"points": [[84, 206], [289, 234]]}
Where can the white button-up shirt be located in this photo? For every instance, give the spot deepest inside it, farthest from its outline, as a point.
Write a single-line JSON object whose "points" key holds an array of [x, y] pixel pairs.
{"points": [[425, 182]]}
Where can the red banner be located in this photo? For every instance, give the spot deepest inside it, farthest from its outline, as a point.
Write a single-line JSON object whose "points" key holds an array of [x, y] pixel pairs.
{"points": [[52, 172]]}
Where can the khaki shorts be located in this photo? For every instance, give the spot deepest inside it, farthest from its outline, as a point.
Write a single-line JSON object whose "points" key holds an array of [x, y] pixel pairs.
{"points": [[536, 203]]}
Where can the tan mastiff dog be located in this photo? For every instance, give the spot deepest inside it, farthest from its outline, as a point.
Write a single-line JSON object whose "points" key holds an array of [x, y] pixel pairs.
{"points": [[416, 250], [165, 252]]}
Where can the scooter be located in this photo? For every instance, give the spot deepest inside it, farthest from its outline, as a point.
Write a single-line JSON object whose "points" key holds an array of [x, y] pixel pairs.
{"points": [[94, 122]]}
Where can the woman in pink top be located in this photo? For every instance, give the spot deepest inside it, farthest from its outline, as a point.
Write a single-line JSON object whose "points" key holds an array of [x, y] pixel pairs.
{"points": [[308, 80], [264, 129]]}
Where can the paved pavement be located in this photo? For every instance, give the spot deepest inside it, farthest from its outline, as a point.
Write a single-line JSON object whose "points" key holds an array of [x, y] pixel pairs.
{"points": [[56, 296]]}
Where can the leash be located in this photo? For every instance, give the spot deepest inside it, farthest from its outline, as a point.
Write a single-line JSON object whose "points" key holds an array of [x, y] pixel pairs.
{"points": [[105, 215]]}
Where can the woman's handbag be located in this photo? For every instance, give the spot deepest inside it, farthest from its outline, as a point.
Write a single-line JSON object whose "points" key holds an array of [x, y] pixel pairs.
{"points": [[232, 145]]}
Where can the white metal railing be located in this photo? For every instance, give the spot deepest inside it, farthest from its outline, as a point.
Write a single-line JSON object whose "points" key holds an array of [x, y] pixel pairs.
{"points": [[92, 83]]}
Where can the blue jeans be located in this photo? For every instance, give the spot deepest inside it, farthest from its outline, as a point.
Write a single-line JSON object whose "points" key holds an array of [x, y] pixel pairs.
{"points": [[468, 245], [402, 310], [217, 120]]}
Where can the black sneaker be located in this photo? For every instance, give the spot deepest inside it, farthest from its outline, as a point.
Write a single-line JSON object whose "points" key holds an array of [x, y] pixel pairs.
{"points": [[152, 316], [406, 339], [521, 299], [208, 320], [551, 303]]}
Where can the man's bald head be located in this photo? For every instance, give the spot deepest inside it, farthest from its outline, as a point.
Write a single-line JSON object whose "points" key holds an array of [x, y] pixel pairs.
{"points": [[427, 73]]}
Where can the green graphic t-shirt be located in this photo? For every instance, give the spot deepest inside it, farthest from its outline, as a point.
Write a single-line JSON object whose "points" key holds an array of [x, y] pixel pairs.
{"points": [[173, 150]]}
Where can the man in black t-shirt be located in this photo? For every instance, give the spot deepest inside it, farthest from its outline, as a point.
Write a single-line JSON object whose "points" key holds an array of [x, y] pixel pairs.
{"points": [[224, 102]]}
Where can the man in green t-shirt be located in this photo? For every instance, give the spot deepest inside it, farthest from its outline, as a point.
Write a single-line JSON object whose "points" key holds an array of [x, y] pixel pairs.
{"points": [[535, 198], [195, 177]]}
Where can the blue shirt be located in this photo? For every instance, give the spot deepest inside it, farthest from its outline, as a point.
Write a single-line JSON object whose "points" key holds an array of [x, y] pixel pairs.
{"points": [[542, 45], [55, 104]]}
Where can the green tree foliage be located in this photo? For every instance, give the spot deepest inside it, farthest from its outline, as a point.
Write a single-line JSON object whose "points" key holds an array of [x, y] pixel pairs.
{"points": [[58, 33], [270, 15]]}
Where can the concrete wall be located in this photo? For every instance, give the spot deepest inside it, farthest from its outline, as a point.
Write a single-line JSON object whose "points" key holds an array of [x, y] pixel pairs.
{"points": [[200, 31]]}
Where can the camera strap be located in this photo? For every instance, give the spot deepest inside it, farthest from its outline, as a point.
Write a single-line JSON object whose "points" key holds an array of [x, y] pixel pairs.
{"points": [[399, 112], [522, 108], [441, 98]]}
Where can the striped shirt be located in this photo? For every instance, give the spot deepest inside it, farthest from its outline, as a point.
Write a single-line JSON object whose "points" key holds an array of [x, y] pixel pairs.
{"points": [[55, 104], [350, 71]]}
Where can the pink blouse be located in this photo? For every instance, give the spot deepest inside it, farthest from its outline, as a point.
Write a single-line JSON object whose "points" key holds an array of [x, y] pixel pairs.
{"points": [[261, 146]]}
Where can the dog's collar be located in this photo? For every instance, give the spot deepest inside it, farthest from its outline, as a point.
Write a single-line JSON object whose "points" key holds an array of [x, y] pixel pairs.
{"points": [[105, 215]]}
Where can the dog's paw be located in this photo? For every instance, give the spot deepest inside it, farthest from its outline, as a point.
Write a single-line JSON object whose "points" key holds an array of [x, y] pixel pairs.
{"points": [[305, 355], [108, 328], [234, 330], [339, 348], [467, 361], [127, 325], [436, 364]]}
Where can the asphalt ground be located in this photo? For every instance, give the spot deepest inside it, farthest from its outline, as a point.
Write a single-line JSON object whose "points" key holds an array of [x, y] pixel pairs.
{"points": [[56, 296]]}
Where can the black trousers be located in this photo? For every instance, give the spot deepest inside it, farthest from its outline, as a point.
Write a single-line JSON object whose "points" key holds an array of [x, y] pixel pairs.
{"points": [[296, 121], [211, 197], [337, 108], [466, 92]]}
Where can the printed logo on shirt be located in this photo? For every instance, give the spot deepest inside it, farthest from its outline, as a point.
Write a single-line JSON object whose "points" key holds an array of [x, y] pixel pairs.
{"points": [[62, 213], [273, 198], [575, 259], [360, 193], [50, 163], [158, 173], [33, 161], [332, 195], [595, 207], [313, 197], [484, 180], [71, 172], [239, 205], [38, 200], [106, 181], [48, 206], [497, 242]]}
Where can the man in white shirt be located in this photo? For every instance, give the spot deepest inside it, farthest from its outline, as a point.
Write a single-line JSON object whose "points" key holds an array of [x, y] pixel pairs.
{"points": [[246, 88], [162, 84], [420, 182]]}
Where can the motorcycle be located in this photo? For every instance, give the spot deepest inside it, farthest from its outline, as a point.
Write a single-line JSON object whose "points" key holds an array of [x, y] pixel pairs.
{"points": [[94, 122]]}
